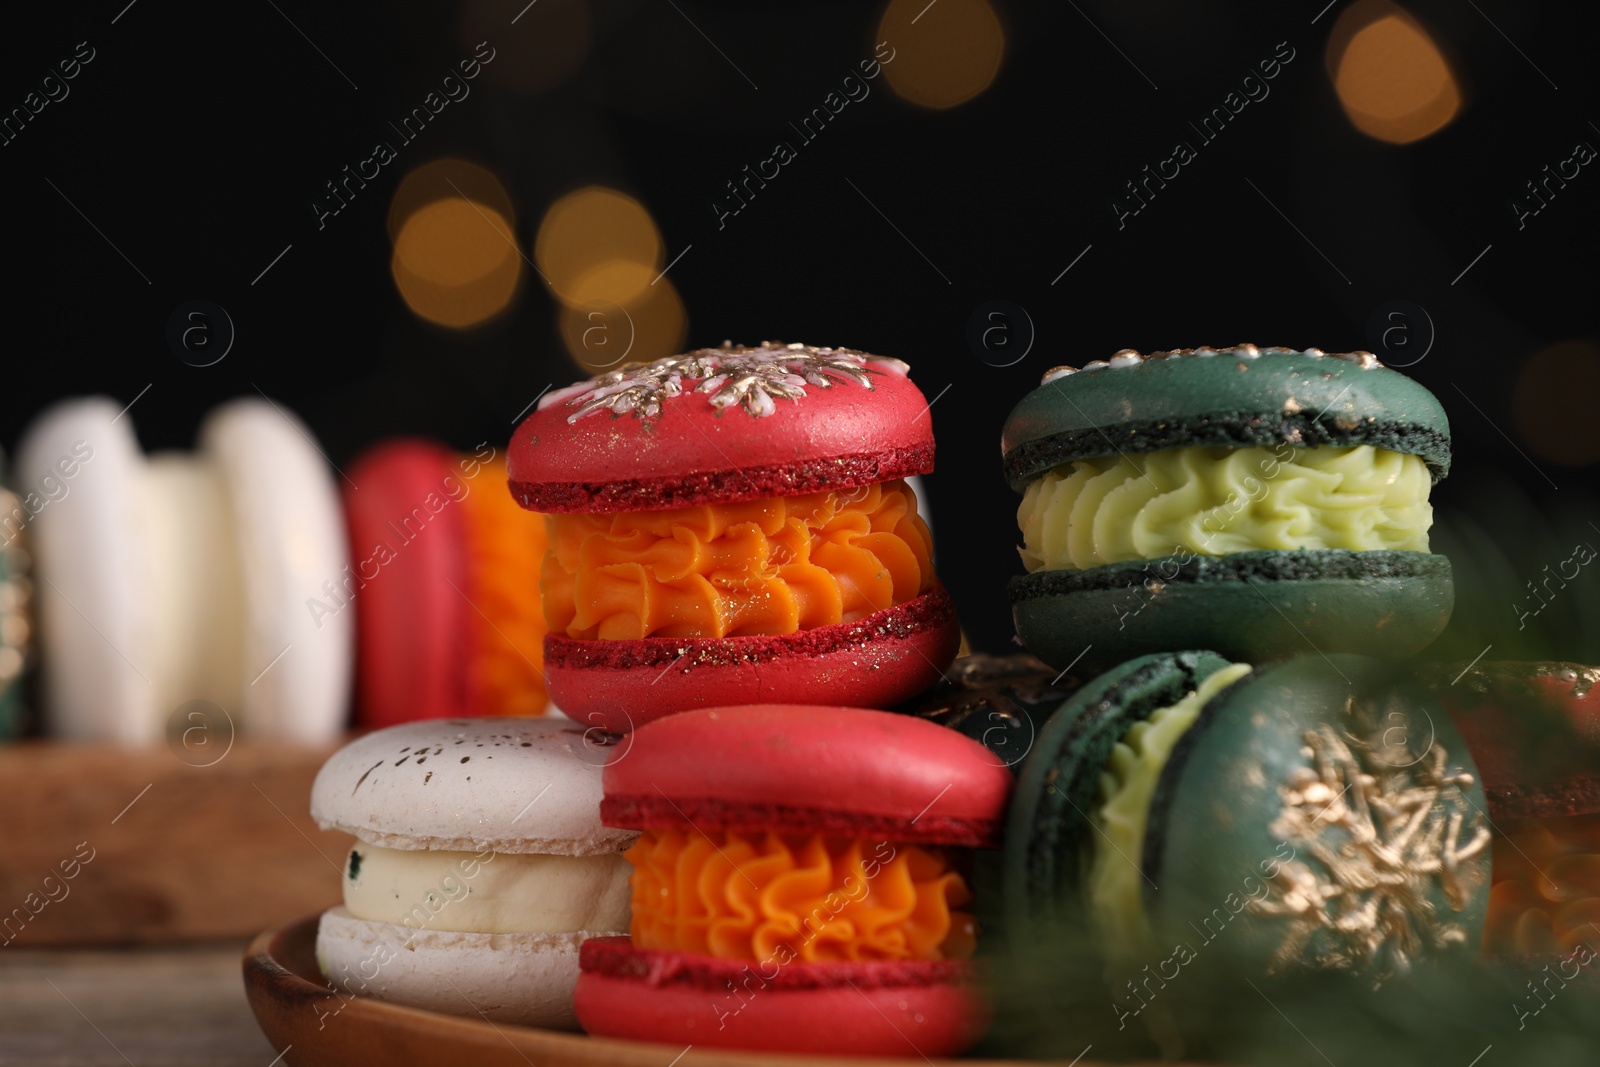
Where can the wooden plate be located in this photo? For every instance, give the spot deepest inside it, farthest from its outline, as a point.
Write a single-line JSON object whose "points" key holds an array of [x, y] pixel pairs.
{"points": [[313, 1027]]}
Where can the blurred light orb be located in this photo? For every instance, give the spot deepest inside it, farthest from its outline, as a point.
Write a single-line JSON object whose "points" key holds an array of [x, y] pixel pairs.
{"points": [[584, 235], [1393, 81], [545, 46], [600, 332], [456, 262], [945, 53], [1553, 403], [617, 281], [442, 179]]}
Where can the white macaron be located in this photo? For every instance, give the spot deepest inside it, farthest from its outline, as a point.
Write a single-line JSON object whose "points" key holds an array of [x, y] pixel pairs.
{"points": [[479, 868], [185, 576]]}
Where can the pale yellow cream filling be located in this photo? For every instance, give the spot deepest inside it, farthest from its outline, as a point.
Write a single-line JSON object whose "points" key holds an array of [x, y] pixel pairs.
{"points": [[1213, 501], [487, 892], [1127, 787]]}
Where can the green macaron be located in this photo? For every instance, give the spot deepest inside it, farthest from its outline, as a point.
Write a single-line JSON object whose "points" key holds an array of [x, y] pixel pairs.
{"points": [[1315, 814], [1261, 502]]}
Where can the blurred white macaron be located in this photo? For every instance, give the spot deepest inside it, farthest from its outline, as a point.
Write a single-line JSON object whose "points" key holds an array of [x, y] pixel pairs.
{"points": [[184, 577]]}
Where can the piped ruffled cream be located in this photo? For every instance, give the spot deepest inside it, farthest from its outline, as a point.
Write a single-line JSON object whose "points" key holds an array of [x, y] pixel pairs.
{"points": [[1213, 501]]}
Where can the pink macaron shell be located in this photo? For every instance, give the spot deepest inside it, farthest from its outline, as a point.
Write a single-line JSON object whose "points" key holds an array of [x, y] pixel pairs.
{"points": [[692, 452], [794, 768], [903, 1008]]}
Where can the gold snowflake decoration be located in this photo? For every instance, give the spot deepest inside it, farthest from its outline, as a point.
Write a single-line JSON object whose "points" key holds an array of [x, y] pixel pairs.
{"points": [[1382, 837], [751, 378]]}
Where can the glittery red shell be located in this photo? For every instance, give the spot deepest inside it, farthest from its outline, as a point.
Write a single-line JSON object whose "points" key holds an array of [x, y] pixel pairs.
{"points": [[699, 447], [794, 768], [884, 659], [901, 1008]]}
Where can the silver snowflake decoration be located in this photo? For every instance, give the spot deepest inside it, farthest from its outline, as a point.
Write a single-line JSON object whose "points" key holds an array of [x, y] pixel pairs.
{"points": [[1382, 838], [752, 378]]}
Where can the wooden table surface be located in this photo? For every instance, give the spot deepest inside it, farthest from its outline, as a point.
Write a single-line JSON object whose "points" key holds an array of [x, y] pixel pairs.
{"points": [[151, 1007]]}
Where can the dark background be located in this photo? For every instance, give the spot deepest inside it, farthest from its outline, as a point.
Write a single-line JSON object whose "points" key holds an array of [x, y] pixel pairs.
{"points": [[198, 136]]}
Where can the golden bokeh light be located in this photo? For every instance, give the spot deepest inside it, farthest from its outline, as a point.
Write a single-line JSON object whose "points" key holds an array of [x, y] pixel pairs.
{"points": [[443, 179], [601, 254], [600, 333], [944, 54], [1553, 403], [616, 281], [1393, 81], [590, 228], [536, 46], [456, 262]]}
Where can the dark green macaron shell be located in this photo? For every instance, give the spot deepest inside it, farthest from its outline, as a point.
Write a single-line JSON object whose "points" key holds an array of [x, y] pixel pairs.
{"points": [[1047, 828], [1136, 404], [1248, 606], [1252, 605], [1321, 813]]}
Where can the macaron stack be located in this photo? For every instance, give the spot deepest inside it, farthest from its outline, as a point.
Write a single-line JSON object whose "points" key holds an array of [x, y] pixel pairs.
{"points": [[1257, 501], [733, 526], [480, 866], [1270, 506], [736, 574], [802, 883]]}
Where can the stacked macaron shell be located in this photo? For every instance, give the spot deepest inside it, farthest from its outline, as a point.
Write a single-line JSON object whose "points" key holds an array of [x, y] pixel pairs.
{"points": [[1206, 497], [444, 573], [186, 577], [1315, 810], [480, 866], [1535, 730], [732, 526], [801, 882]]}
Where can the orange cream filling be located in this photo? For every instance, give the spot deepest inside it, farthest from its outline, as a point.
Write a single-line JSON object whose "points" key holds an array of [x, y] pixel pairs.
{"points": [[1546, 893], [771, 566], [771, 897], [505, 544]]}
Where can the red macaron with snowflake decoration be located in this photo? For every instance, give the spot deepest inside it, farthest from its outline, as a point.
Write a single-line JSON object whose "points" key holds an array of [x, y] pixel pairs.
{"points": [[802, 882], [733, 526]]}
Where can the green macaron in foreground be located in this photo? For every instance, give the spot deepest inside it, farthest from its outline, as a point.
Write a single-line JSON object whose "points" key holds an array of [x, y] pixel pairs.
{"points": [[1316, 813], [1261, 502]]}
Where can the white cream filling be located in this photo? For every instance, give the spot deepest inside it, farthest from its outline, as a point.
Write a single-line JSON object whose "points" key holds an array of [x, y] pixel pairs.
{"points": [[195, 612], [487, 892]]}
